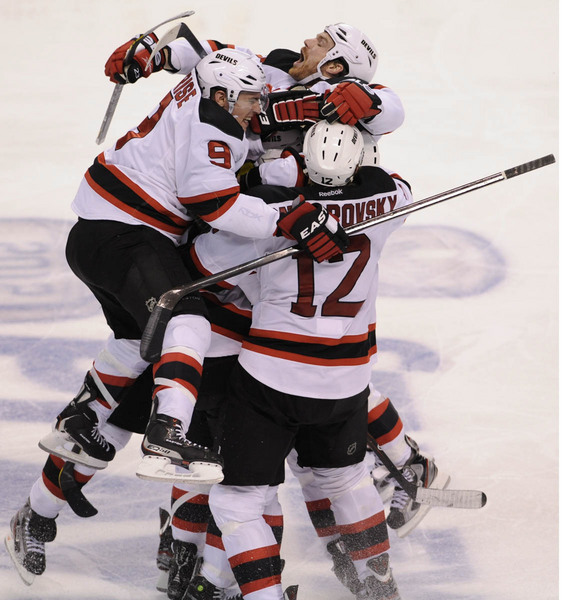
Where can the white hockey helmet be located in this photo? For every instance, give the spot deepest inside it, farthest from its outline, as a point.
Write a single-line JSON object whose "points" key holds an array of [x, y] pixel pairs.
{"points": [[235, 72], [333, 152], [355, 48]]}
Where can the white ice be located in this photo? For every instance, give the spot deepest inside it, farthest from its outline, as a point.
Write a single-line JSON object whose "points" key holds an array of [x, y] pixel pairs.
{"points": [[468, 301]]}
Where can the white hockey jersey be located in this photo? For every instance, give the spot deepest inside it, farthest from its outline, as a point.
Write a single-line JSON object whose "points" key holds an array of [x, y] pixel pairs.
{"points": [[313, 325], [180, 162], [276, 65]]}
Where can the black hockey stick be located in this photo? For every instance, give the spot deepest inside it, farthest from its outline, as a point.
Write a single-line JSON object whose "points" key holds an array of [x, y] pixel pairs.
{"points": [[119, 87], [180, 31], [429, 496], [73, 494], [153, 334]]}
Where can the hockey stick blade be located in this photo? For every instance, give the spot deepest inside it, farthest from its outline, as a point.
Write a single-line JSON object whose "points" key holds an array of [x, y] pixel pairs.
{"points": [[73, 494], [180, 31], [111, 107], [153, 334], [430, 496]]}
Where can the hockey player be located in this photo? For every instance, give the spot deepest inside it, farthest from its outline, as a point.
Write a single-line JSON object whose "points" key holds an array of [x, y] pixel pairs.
{"points": [[302, 378], [134, 205], [335, 68]]}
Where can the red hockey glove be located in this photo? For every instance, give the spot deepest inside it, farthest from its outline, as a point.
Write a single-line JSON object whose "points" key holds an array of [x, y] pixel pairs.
{"points": [[119, 70], [315, 230], [349, 102], [287, 110]]}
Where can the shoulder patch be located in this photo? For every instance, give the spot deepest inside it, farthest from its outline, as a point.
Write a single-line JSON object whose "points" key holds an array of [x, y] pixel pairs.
{"points": [[213, 114]]}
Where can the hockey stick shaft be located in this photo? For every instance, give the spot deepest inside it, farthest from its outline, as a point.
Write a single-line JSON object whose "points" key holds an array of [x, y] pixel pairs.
{"points": [[153, 334], [180, 31], [111, 107], [430, 496]]}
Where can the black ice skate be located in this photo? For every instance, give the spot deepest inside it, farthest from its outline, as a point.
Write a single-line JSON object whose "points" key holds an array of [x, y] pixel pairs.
{"points": [[344, 568], [26, 542], [182, 567], [165, 447], [164, 552], [76, 435], [405, 514], [380, 585], [201, 589]]}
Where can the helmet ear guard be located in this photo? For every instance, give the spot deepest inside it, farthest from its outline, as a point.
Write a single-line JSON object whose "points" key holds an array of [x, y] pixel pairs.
{"points": [[333, 152], [233, 71]]}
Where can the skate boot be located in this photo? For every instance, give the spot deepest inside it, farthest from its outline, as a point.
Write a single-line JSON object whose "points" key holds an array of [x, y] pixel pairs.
{"points": [[165, 446], [343, 567], [380, 585], [201, 589], [26, 542], [164, 554], [76, 435], [182, 566], [405, 514]]}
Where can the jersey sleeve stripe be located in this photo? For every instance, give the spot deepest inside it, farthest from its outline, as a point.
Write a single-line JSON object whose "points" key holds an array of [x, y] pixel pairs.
{"points": [[213, 205], [124, 194]]}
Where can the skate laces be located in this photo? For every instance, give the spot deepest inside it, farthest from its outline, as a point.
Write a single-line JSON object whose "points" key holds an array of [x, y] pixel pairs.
{"points": [[98, 438], [32, 544], [400, 498]]}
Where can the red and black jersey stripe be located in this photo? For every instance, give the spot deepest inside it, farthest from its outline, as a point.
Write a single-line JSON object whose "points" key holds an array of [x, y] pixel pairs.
{"points": [[366, 538], [257, 569], [51, 472], [322, 517], [347, 351], [384, 423], [194, 514], [113, 185], [212, 205]]}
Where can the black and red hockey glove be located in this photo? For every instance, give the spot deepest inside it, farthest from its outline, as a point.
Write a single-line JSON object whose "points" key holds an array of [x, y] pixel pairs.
{"points": [[286, 110], [315, 230], [349, 102], [120, 70]]}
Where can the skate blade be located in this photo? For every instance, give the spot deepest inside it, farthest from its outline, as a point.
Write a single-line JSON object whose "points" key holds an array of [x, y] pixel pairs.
{"points": [[162, 582], [62, 445], [440, 482], [26, 576], [159, 468]]}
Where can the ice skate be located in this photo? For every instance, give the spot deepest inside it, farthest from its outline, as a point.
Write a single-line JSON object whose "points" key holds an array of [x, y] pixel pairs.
{"points": [[405, 514], [182, 567], [343, 567], [380, 585], [76, 435], [165, 447], [26, 542], [201, 589], [164, 552]]}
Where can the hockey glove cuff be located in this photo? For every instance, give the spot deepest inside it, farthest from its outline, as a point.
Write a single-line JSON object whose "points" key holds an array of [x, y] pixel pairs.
{"points": [[286, 110], [349, 102], [315, 230], [121, 70]]}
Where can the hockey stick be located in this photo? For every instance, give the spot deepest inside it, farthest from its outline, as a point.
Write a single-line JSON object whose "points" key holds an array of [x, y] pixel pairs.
{"points": [[429, 496], [180, 31], [73, 494], [153, 334], [119, 86]]}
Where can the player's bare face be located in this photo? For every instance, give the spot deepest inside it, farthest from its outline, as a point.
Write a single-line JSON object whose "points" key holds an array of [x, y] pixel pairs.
{"points": [[312, 52], [246, 106]]}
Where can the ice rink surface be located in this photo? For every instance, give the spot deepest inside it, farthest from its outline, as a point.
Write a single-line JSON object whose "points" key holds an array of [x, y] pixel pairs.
{"points": [[467, 304]]}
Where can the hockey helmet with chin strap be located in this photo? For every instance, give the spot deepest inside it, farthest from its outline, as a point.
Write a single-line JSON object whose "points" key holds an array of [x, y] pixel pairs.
{"points": [[233, 71], [333, 152], [355, 48]]}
